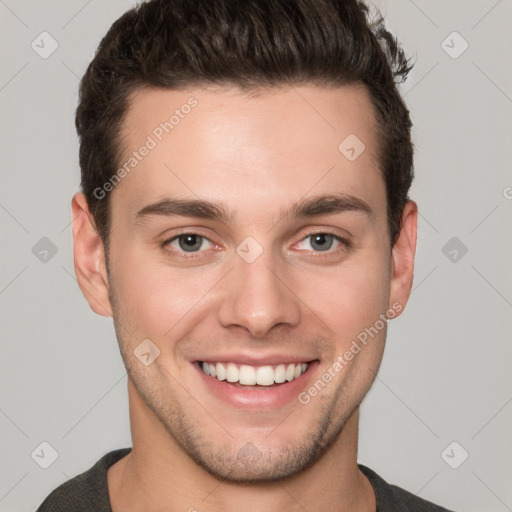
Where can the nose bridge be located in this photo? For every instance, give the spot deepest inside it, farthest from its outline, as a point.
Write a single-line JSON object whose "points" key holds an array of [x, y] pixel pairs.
{"points": [[255, 296]]}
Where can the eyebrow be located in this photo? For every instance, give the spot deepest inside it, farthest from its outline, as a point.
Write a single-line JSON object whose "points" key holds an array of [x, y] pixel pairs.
{"points": [[320, 205]]}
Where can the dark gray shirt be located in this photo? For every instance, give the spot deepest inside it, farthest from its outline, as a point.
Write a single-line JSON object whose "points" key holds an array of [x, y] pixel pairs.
{"points": [[88, 491]]}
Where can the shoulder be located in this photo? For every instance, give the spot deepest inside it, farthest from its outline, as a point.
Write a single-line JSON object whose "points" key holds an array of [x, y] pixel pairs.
{"points": [[391, 498], [86, 491]]}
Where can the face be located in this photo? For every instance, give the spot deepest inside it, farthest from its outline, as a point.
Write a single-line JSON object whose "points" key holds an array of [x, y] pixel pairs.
{"points": [[247, 238]]}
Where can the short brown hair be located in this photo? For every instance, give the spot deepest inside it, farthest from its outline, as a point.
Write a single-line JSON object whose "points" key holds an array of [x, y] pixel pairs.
{"points": [[175, 44]]}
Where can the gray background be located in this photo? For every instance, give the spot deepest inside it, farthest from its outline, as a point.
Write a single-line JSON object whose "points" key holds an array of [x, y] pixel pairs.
{"points": [[446, 371]]}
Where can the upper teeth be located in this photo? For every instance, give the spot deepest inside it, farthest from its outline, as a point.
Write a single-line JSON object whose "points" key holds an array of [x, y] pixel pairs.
{"points": [[251, 375]]}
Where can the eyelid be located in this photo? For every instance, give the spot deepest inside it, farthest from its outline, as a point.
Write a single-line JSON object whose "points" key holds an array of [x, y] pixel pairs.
{"points": [[342, 240], [184, 254], [185, 231]]}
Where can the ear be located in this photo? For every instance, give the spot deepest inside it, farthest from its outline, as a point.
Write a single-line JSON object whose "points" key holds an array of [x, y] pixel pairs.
{"points": [[89, 258], [402, 258]]}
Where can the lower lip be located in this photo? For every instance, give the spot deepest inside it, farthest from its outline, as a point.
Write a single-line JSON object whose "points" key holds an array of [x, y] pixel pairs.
{"points": [[258, 397]]}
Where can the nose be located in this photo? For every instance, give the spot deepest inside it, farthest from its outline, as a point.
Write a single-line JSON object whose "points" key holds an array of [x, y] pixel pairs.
{"points": [[258, 296]]}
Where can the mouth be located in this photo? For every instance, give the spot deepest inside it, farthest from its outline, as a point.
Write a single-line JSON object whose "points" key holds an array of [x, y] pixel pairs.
{"points": [[244, 375], [264, 386]]}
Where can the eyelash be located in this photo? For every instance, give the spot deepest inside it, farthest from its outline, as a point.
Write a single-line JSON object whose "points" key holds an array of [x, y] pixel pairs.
{"points": [[193, 255]]}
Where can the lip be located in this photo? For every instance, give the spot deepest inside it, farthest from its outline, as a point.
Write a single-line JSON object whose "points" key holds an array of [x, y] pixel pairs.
{"points": [[252, 398], [251, 360]]}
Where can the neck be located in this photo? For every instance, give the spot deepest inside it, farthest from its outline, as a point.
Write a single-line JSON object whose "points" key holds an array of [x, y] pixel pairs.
{"points": [[159, 474]]}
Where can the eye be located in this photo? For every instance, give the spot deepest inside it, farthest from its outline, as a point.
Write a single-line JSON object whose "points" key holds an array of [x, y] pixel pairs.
{"points": [[191, 245], [185, 243], [323, 242]]}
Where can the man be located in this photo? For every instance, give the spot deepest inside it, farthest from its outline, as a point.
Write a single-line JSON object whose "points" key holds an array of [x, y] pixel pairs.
{"points": [[245, 220]]}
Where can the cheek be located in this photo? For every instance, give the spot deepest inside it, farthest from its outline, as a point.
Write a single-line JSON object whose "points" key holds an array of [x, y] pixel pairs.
{"points": [[350, 298], [352, 309], [155, 297]]}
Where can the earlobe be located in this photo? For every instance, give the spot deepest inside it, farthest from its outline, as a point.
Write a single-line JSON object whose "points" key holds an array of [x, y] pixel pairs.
{"points": [[89, 258], [403, 252]]}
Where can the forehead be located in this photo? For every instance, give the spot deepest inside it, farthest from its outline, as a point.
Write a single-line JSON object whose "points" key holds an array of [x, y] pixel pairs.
{"points": [[221, 144]]}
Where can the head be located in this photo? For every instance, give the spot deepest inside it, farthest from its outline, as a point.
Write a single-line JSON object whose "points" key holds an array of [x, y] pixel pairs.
{"points": [[245, 177]]}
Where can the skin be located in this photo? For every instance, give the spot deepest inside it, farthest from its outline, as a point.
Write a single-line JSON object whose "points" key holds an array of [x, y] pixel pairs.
{"points": [[256, 155]]}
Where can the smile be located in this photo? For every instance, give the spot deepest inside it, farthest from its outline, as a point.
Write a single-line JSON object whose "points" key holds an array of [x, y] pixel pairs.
{"points": [[247, 375], [266, 384]]}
